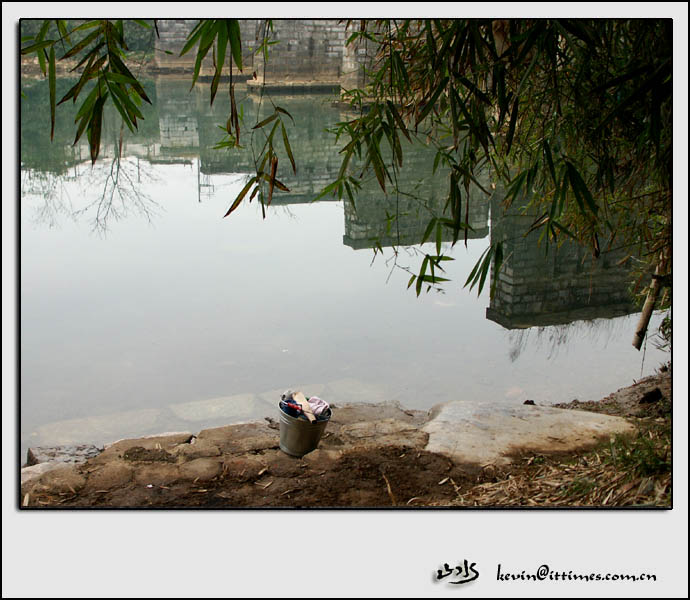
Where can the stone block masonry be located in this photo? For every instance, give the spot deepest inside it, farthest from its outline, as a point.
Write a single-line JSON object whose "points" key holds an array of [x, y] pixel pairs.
{"points": [[307, 51]]}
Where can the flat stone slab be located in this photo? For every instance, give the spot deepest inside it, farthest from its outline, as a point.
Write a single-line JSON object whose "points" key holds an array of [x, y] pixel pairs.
{"points": [[35, 471], [73, 454], [493, 433], [245, 407], [103, 427]]}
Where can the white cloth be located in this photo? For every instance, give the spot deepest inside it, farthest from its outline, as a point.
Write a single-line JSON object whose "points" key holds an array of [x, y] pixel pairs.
{"points": [[317, 405]]}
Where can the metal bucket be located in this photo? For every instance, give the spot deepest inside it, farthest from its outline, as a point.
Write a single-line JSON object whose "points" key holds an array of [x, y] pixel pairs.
{"points": [[298, 436]]}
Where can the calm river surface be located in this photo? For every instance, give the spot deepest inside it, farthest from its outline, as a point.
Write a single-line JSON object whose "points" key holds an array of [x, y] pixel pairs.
{"points": [[143, 310]]}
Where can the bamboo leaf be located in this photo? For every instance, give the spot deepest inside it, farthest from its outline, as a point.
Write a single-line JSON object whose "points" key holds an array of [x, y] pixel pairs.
{"points": [[286, 143], [120, 108], [241, 195], [398, 119], [580, 189], [272, 179], [549, 161], [37, 46], [235, 38], [282, 110], [122, 69], [82, 44], [266, 121], [432, 100], [95, 127], [51, 84], [192, 38], [428, 230]]}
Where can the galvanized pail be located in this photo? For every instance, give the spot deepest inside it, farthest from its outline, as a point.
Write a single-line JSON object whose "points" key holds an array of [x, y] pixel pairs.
{"points": [[298, 436]]}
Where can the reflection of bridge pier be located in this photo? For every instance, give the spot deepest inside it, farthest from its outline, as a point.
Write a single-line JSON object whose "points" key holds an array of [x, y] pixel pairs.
{"points": [[401, 219], [177, 119], [539, 289]]}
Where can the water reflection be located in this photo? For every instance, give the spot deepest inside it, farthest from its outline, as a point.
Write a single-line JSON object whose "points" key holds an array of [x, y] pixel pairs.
{"points": [[533, 288], [539, 287], [164, 323]]}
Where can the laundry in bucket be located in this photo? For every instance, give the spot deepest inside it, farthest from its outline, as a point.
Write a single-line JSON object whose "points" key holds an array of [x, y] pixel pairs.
{"points": [[296, 404]]}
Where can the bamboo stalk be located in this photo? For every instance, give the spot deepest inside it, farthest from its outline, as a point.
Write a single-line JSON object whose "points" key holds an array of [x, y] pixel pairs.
{"points": [[647, 311]]}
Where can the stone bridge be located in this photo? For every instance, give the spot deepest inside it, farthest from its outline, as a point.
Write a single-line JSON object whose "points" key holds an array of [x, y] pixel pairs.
{"points": [[309, 51]]}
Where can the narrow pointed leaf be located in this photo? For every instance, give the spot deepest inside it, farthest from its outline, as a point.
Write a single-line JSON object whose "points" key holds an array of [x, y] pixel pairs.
{"points": [[51, 84]]}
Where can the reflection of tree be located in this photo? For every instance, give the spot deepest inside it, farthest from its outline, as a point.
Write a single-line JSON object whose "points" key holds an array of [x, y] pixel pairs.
{"points": [[119, 180], [555, 337], [122, 182], [51, 188]]}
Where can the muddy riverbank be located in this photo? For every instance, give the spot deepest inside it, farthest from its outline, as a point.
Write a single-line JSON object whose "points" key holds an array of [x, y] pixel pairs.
{"points": [[382, 456]]}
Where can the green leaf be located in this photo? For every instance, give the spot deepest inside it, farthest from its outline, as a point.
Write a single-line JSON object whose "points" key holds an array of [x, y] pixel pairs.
{"points": [[474, 270], [428, 230], [82, 44], [235, 38], [266, 121], [120, 108], [286, 143], [122, 69], [192, 38], [549, 161], [580, 189], [95, 127], [87, 105], [282, 110], [37, 46], [432, 100], [420, 277], [119, 78], [51, 84], [207, 39], [126, 101]]}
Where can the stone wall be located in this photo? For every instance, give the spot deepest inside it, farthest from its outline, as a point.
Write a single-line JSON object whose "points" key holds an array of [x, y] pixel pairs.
{"points": [[307, 50], [173, 36], [539, 289]]}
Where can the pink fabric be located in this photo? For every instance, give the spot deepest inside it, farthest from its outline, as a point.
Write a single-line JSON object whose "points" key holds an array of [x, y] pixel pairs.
{"points": [[317, 405]]}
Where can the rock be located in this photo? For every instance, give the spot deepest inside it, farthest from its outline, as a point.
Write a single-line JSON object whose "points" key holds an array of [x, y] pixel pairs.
{"points": [[245, 437], [529, 402], [61, 454], [189, 437], [156, 474], [201, 469], [35, 471], [115, 474], [321, 457], [159, 442], [492, 433], [197, 449], [383, 432], [60, 479]]}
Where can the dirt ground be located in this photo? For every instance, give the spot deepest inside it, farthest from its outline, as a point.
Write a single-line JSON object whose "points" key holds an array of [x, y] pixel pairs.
{"points": [[347, 473]]}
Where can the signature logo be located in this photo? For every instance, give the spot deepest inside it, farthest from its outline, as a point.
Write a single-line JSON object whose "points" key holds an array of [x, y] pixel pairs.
{"points": [[462, 573]]}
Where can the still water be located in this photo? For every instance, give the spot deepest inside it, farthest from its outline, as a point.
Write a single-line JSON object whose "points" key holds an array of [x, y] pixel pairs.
{"points": [[143, 310]]}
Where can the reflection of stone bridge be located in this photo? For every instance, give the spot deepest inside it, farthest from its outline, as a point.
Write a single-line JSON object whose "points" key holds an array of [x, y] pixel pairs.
{"points": [[401, 219], [565, 285]]}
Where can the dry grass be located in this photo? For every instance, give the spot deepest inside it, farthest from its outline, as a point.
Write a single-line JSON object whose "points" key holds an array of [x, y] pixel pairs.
{"points": [[629, 471]]}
